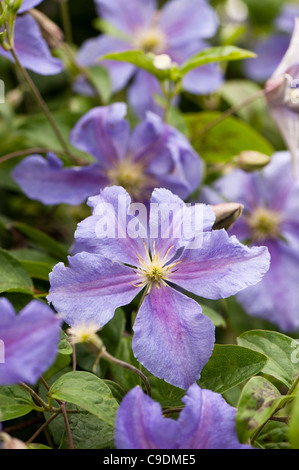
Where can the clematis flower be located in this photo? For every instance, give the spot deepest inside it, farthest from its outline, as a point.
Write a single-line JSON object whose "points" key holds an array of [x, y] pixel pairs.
{"points": [[28, 341], [270, 218], [206, 422], [178, 30], [154, 154], [271, 50], [172, 338], [31, 48], [282, 92]]}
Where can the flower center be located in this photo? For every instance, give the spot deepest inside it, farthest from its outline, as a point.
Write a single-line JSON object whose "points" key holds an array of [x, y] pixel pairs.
{"points": [[153, 271], [264, 224], [151, 40], [129, 175]]}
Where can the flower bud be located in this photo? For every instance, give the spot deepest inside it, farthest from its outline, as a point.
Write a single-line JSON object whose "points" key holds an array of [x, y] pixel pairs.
{"points": [[227, 213], [250, 160], [50, 31]]}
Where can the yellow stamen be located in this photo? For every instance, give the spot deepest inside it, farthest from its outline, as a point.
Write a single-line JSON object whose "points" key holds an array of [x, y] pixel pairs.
{"points": [[264, 223], [154, 272]]}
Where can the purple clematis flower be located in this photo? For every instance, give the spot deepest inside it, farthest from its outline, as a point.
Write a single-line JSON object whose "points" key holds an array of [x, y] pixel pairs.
{"points": [[271, 207], [271, 50], [154, 154], [29, 341], [206, 422], [172, 338], [179, 30], [282, 92], [31, 48]]}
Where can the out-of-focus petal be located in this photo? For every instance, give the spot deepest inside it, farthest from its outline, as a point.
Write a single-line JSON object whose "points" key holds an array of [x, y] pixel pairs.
{"points": [[92, 50], [207, 422], [203, 80], [91, 289], [141, 94], [187, 21], [32, 50], [269, 54], [276, 297], [48, 182], [103, 132], [140, 424], [291, 56], [127, 16], [27, 4], [30, 342], [172, 338]]}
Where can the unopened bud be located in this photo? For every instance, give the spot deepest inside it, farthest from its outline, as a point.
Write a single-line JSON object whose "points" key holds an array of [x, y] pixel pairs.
{"points": [[250, 160], [227, 213], [50, 31]]}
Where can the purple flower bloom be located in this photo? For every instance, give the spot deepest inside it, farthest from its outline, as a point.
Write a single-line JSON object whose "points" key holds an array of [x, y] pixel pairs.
{"points": [[28, 341], [172, 338], [178, 30], [31, 48], [283, 95], [271, 207], [206, 422], [271, 50], [154, 154]]}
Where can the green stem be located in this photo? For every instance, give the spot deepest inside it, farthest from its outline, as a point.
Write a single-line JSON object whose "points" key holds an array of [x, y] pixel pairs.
{"points": [[67, 25], [31, 151], [42, 104], [105, 355], [84, 71], [44, 405], [67, 426], [234, 109], [43, 426]]}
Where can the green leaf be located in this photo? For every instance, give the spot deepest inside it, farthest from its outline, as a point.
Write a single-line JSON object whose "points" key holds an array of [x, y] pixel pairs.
{"points": [[35, 446], [61, 362], [117, 391], [294, 423], [64, 347], [141, 60], [15, 401], [215, 54], [281, 350], [214, 316], [259, 400], [230, 365], [88, 392], [101, 79], [274, 435], [13, 278], [226, 139], [236, 91], [88, 432], [43, 240]]}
